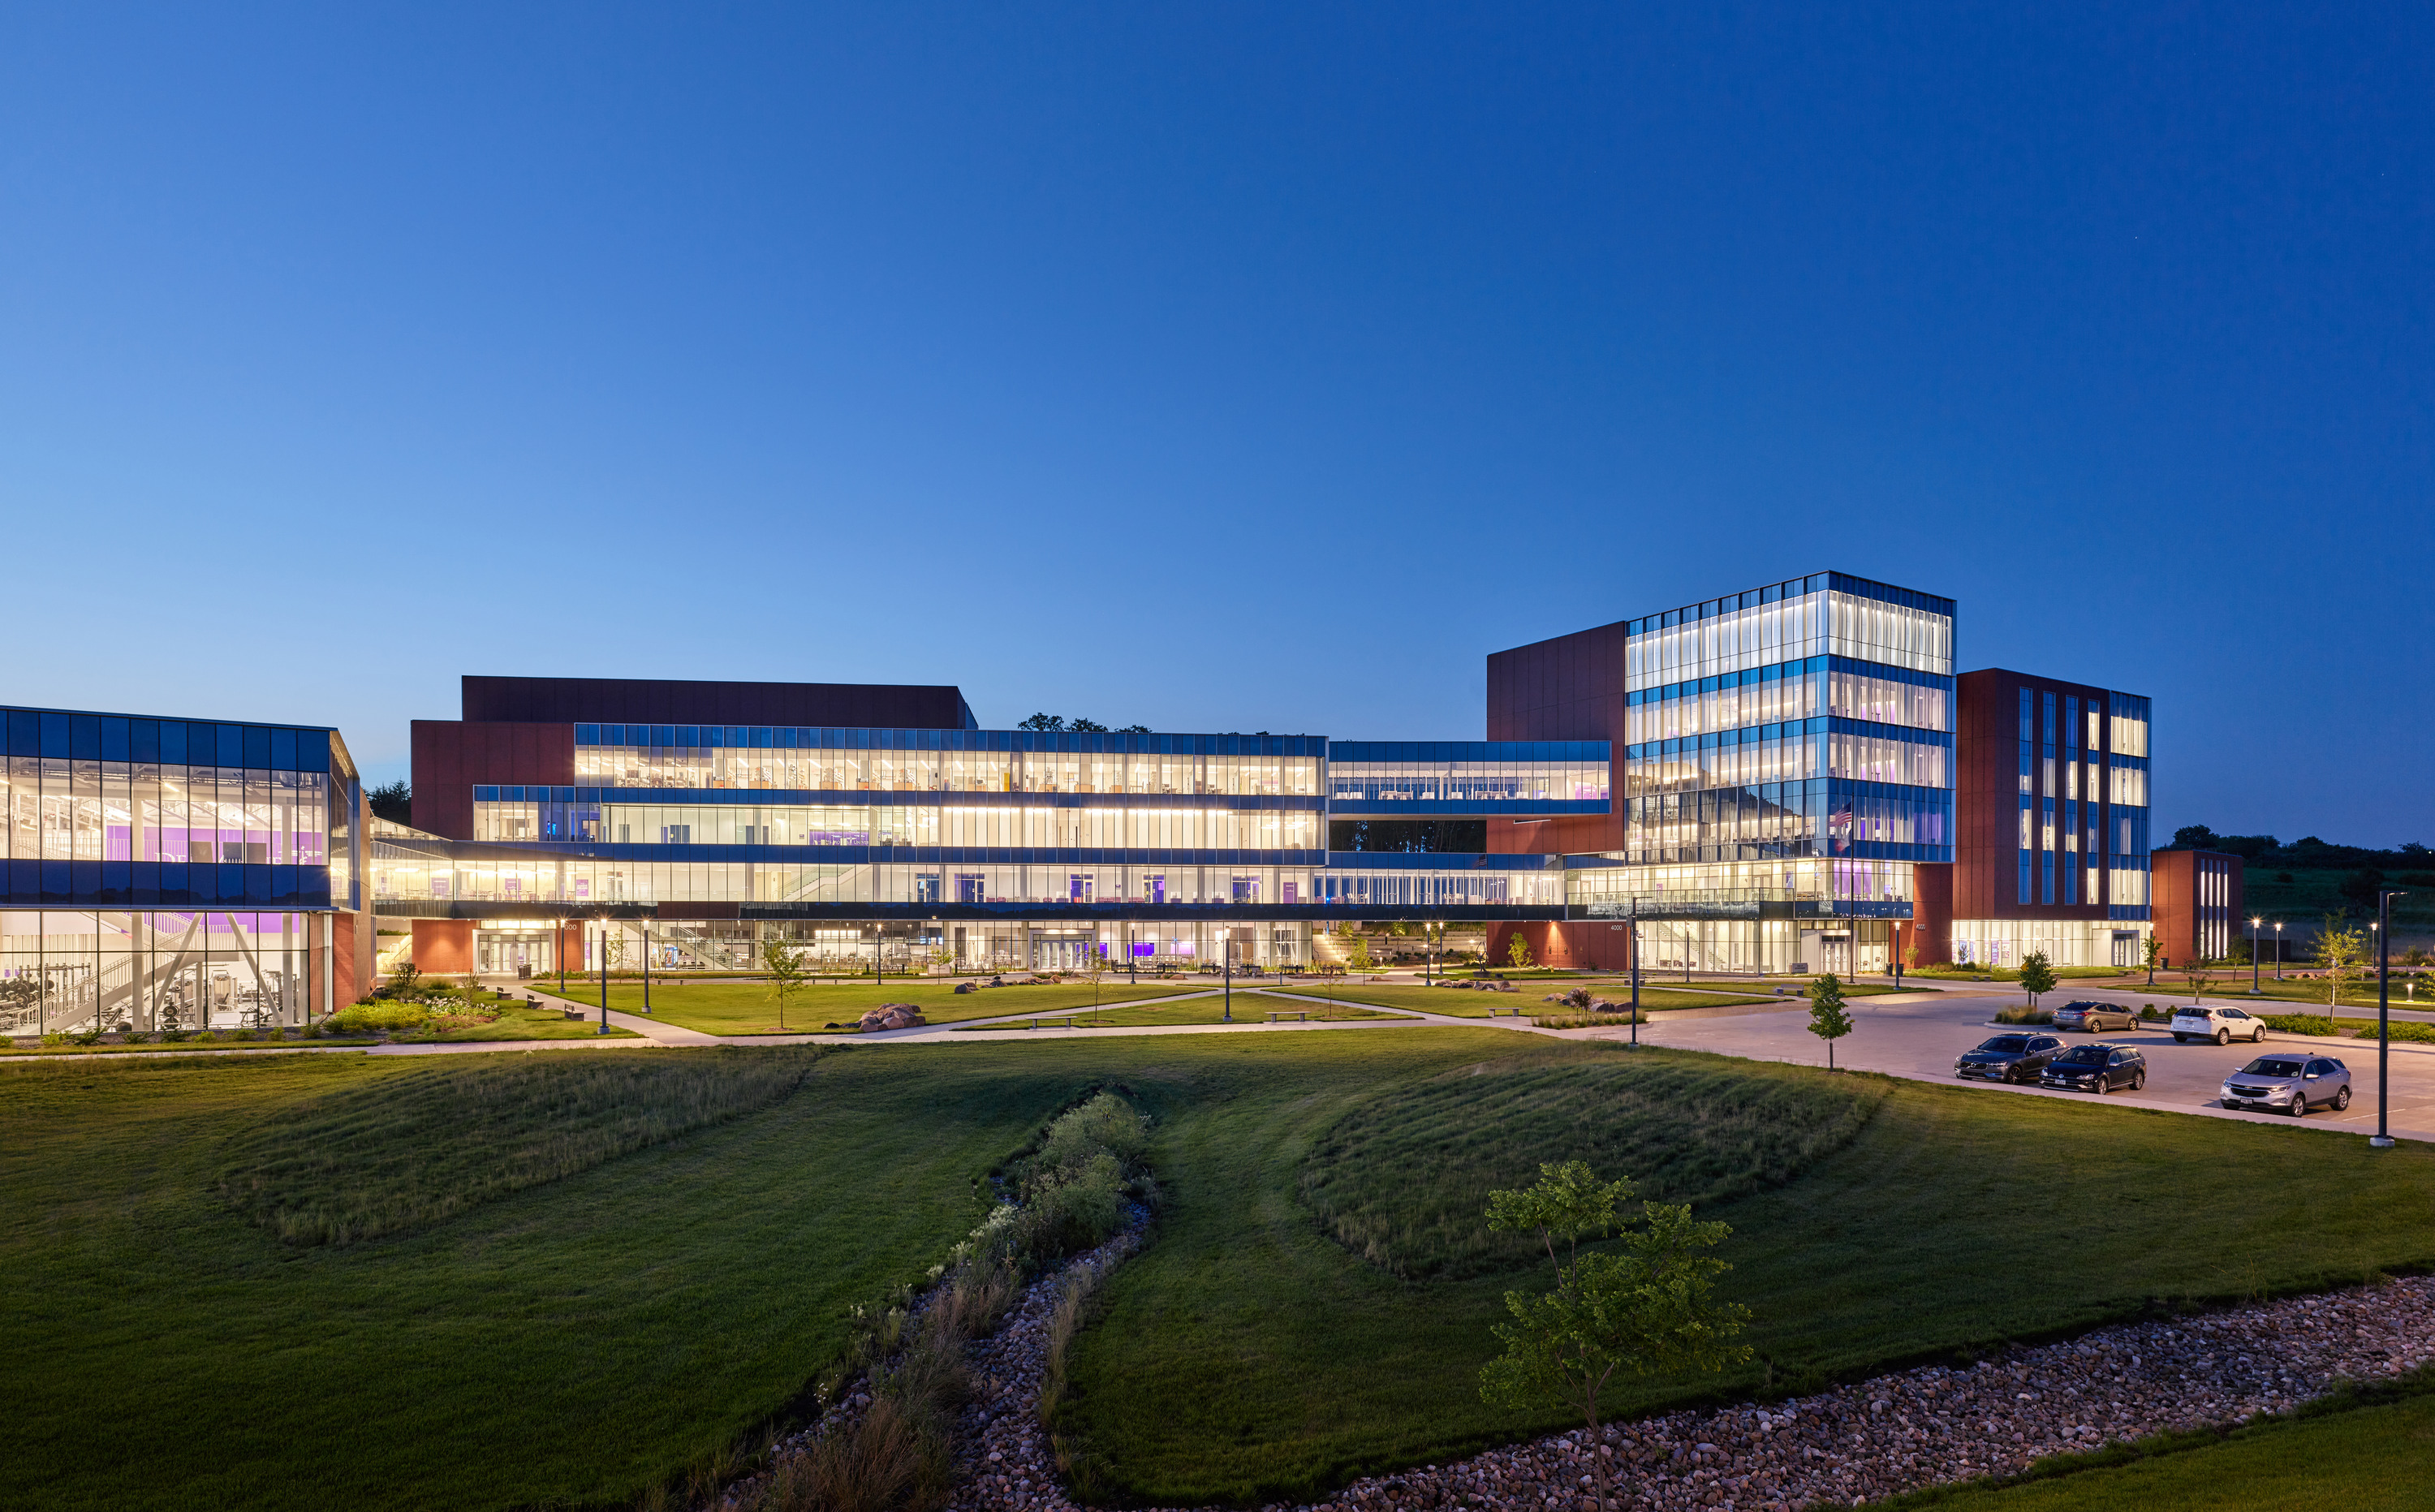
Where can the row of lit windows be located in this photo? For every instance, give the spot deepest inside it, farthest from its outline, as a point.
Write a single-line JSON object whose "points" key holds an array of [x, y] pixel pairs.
{"points": [[1465, 782], [405, 877], [943, 771], [970, 825], [61, 809]]}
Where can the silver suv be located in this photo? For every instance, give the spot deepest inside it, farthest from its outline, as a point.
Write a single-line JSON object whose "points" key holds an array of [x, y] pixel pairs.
{"points": [[2223, 1026], [2290, 1084]]}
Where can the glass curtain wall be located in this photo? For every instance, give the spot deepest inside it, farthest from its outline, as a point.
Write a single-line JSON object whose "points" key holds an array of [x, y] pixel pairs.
{"points": [[1813, 718], [967, 825], [826, 770], [915, 946], [68, 970]]}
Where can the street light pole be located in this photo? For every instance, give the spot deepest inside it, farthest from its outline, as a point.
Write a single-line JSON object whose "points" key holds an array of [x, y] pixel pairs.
{"points": [[1229, 977], [604, 976], [2383, 1140], [2253, 956], [1635, 969], [2278, 949], [647, 966]]}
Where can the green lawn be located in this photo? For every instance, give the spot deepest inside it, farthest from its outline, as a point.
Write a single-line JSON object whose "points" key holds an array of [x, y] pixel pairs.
{"points": [[1249, 1008], [1247, 1355], [569, 1343], [1459, 1004], [751, 1007], [2365, 1459], [597, 1270]]}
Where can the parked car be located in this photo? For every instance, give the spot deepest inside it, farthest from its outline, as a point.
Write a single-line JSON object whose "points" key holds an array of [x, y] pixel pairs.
{"points": [[2290, 1084], [2223, 1026], [2097, 1068], [2094, 1018], [2018, 1057]]}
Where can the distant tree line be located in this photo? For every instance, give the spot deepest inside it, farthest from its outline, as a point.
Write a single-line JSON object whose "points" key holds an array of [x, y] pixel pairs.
{"points": [[2307, 852]]}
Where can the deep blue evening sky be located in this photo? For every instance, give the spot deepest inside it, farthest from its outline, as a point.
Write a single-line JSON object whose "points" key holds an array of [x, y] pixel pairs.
{"points": [[1222, 366]]}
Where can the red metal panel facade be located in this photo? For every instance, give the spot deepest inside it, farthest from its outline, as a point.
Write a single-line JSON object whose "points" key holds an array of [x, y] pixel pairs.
{"points": [[451, 757], [668, 701], [1987, 797], [2199, 903], [1569, 687]]}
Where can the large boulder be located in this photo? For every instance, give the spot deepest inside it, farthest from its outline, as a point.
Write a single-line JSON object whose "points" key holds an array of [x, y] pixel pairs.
{"points": [[892, 1016], [968, 986]]}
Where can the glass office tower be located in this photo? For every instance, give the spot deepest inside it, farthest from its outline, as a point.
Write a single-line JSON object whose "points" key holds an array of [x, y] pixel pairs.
{"points": [[171, 873], [1788, 758]]}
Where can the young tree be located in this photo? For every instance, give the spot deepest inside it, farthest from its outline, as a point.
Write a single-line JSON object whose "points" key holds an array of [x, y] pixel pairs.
{"points": [[790, 974], [2199, 978], [2155, 953], [1517, 950], [2037, 975], [2340, 951], [1648, 1308], [1359, 957], [1828, 1020]]}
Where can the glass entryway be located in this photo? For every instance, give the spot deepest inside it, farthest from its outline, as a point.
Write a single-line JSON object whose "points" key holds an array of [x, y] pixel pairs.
{"points": [[518, 953], [1062, 953]]}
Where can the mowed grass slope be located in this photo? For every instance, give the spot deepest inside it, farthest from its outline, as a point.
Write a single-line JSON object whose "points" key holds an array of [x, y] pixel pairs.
{"points": [[572, 1342], [751, 1007], [2366, 1459], [1246, 1354]]}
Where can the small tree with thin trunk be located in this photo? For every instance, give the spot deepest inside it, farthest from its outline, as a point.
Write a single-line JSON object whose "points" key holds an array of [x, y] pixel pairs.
{"points": [[2341, 952], [2155, 953], [2199, 978], [1828, 1019], [1358, 957], [2037, 975], [1517, 950], [1648, 1308], [788, 973]]}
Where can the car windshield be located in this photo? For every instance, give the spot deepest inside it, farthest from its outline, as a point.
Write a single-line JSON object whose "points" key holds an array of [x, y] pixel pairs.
{"points": [[2269, 1066], [2011, 1044], [2084, 1055]]}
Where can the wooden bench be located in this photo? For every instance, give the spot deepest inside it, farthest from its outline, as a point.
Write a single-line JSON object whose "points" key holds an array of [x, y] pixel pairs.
{"points": [[1277, 1014], [1036, 1023]]}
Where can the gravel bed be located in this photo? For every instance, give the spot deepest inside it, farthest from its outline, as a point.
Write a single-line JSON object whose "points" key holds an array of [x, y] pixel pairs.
{"points": [[1896, 1433]]}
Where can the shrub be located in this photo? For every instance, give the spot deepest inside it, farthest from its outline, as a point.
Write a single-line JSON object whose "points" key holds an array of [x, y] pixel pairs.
{"points": [[2299, 1022], [54, 1039], [2408, 1030], [207, 1038], [2025, 1016], [392, 1016]]}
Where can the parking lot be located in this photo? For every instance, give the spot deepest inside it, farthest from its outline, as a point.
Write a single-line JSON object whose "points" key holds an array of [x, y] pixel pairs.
{"points": [[1918, 1035]]}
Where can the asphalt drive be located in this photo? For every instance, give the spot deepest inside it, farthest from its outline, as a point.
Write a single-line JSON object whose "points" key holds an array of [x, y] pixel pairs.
{"points": [[1918, 1034]]}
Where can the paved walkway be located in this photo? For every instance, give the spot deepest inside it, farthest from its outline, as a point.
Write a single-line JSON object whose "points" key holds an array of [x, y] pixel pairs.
{"points": [[1912, 1033]]}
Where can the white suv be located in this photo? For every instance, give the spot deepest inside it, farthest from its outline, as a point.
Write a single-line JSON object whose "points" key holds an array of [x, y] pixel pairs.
{"points": [[2223, 1026]]}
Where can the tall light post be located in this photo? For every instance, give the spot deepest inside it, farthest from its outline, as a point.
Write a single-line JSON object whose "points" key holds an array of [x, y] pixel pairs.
{"points": [[604, 976], [2383, 1140], [2253, 955], [647, 965], [1635, 969], [2278, 949], [1229, 976]]}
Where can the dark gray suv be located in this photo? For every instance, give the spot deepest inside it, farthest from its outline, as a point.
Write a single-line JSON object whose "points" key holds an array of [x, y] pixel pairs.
{"points": [[2097, 1068], [2290, 1084]]}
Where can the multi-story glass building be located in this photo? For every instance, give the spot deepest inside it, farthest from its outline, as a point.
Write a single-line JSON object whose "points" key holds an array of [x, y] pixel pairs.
{"points": [[1785, 762], [174, 873], [1767, 781], [1015, 848]]}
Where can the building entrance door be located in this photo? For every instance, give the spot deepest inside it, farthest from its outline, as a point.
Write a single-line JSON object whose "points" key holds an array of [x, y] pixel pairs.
{"points": [[1060, 952], [1835, 954], [503, 953]]}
